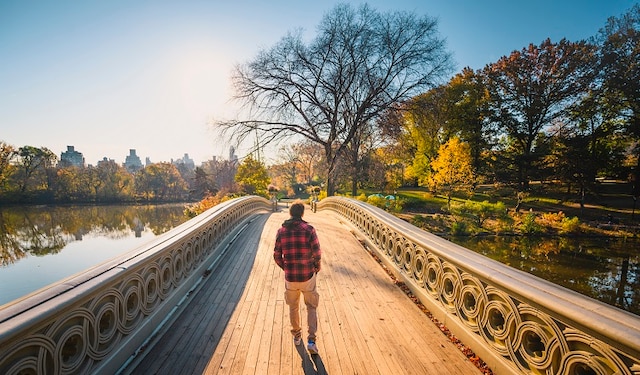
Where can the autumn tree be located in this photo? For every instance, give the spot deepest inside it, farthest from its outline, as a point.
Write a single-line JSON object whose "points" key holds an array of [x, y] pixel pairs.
{"points": [[111, 181], [452, 168], [531, 89], [72, 184], [359, 64], [252, 177], [424, 119], [7, 154], [160, 181], [33, 167], [386, 171], [287, 174], [221, 173], [467, 100], [203, 184]]}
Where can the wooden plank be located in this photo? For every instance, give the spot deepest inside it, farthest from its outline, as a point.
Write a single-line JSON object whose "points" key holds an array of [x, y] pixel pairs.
{"points": [[239, 323]]}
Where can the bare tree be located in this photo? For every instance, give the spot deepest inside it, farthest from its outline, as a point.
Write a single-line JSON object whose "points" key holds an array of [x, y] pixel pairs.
{"points": [[360, 63]]}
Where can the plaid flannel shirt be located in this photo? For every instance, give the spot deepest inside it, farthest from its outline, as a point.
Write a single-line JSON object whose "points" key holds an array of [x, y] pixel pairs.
{"points": [[297, 250]]}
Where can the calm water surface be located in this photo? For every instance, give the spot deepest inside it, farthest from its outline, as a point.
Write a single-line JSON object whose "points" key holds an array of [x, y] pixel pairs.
{"points": [[602, 268], [42, 245]]}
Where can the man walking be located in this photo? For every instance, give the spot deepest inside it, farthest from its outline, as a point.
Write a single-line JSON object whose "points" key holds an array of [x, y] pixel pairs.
{"points": [[297, 252]]}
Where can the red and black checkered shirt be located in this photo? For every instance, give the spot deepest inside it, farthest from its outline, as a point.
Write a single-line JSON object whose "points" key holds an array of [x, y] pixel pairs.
{"points": [[297, 250]]}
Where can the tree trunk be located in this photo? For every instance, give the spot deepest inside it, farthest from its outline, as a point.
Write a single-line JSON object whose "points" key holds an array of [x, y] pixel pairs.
{"points": [[330, 186]]}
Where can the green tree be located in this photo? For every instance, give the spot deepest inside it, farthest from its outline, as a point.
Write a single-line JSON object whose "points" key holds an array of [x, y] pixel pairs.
{"points": [[253, 177], [360, 63], [620, 55], [452, 169]]}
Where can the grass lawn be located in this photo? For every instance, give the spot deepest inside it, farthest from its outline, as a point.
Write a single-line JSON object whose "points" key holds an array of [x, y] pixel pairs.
{"points": [[609, 210]]}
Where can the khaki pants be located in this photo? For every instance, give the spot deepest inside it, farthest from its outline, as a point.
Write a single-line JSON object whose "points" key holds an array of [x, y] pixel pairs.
{"points": [[311, 300]]}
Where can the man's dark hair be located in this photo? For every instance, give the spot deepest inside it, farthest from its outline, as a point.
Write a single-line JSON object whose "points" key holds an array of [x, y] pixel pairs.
{"points": [[296, 209]]}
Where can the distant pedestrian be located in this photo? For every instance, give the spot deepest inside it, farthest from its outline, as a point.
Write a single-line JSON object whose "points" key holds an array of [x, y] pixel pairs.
{"points": [[297, 252]]}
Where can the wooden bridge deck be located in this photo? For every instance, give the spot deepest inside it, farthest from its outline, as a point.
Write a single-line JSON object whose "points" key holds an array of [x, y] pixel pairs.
{"points": [[238, 323]]}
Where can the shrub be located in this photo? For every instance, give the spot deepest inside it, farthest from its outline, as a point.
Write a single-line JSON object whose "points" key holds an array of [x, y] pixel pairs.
{"points": [[418, 220], [570, 225], [396, 205], [553, 218], [377, 201], [206, 203], [479, 212], [529, 224], [459, 228], [506, 224]]}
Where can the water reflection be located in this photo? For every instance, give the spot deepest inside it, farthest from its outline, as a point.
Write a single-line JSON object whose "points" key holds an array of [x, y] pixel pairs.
{"points": [[42, 245], [602, 268], [45, 230]]}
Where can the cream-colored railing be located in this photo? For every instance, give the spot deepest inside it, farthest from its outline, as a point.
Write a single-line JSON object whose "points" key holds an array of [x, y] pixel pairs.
{"points": [[516, 322], [95, 322]]}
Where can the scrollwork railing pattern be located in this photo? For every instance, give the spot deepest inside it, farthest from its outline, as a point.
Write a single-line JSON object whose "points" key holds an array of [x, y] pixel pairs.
{"points": [[516, 322], [93, 322]]}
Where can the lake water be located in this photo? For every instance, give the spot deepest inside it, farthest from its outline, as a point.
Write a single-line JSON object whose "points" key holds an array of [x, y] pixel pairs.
{"points": [[606, 269], [42, 245]]}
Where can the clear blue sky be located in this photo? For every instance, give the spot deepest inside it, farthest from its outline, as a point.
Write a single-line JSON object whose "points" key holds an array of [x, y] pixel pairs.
{"points": [[107, 76]]}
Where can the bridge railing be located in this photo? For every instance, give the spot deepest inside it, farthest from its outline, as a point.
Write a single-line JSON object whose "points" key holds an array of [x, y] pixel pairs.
{"points": [[95, 322], [514, 321]]}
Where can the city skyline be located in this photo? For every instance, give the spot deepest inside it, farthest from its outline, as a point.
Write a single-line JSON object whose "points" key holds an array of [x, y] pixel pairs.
{"points": [[112, 76], [132, 152]]}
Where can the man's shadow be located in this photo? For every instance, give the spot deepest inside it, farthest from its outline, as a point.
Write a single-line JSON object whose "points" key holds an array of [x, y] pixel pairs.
{"points": [[311, 364]]}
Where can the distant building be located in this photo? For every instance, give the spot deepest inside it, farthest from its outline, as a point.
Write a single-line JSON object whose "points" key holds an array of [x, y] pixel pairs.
{"points": [[105, 161], [71, 157], [147, 161], [186, 161], [232, 155], [132, 162]]}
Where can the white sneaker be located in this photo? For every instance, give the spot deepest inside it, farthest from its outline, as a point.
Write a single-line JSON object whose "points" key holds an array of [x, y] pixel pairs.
{"points": [[312, 348]]}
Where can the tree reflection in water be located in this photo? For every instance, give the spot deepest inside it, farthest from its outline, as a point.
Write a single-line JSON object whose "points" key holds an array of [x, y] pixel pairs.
{"points": [[45, 230], [606, 269]]}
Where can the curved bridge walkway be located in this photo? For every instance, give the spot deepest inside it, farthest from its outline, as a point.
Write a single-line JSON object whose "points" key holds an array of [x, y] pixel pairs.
{"points": [[237, 322]]}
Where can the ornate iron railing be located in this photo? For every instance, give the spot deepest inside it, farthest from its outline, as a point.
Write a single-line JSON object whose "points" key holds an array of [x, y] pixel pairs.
{"points": [[516, 322], [94, 322]]}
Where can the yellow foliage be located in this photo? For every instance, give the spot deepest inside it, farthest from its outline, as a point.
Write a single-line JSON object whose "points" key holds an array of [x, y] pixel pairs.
{"points": [[452, 168], [206, 203]]}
